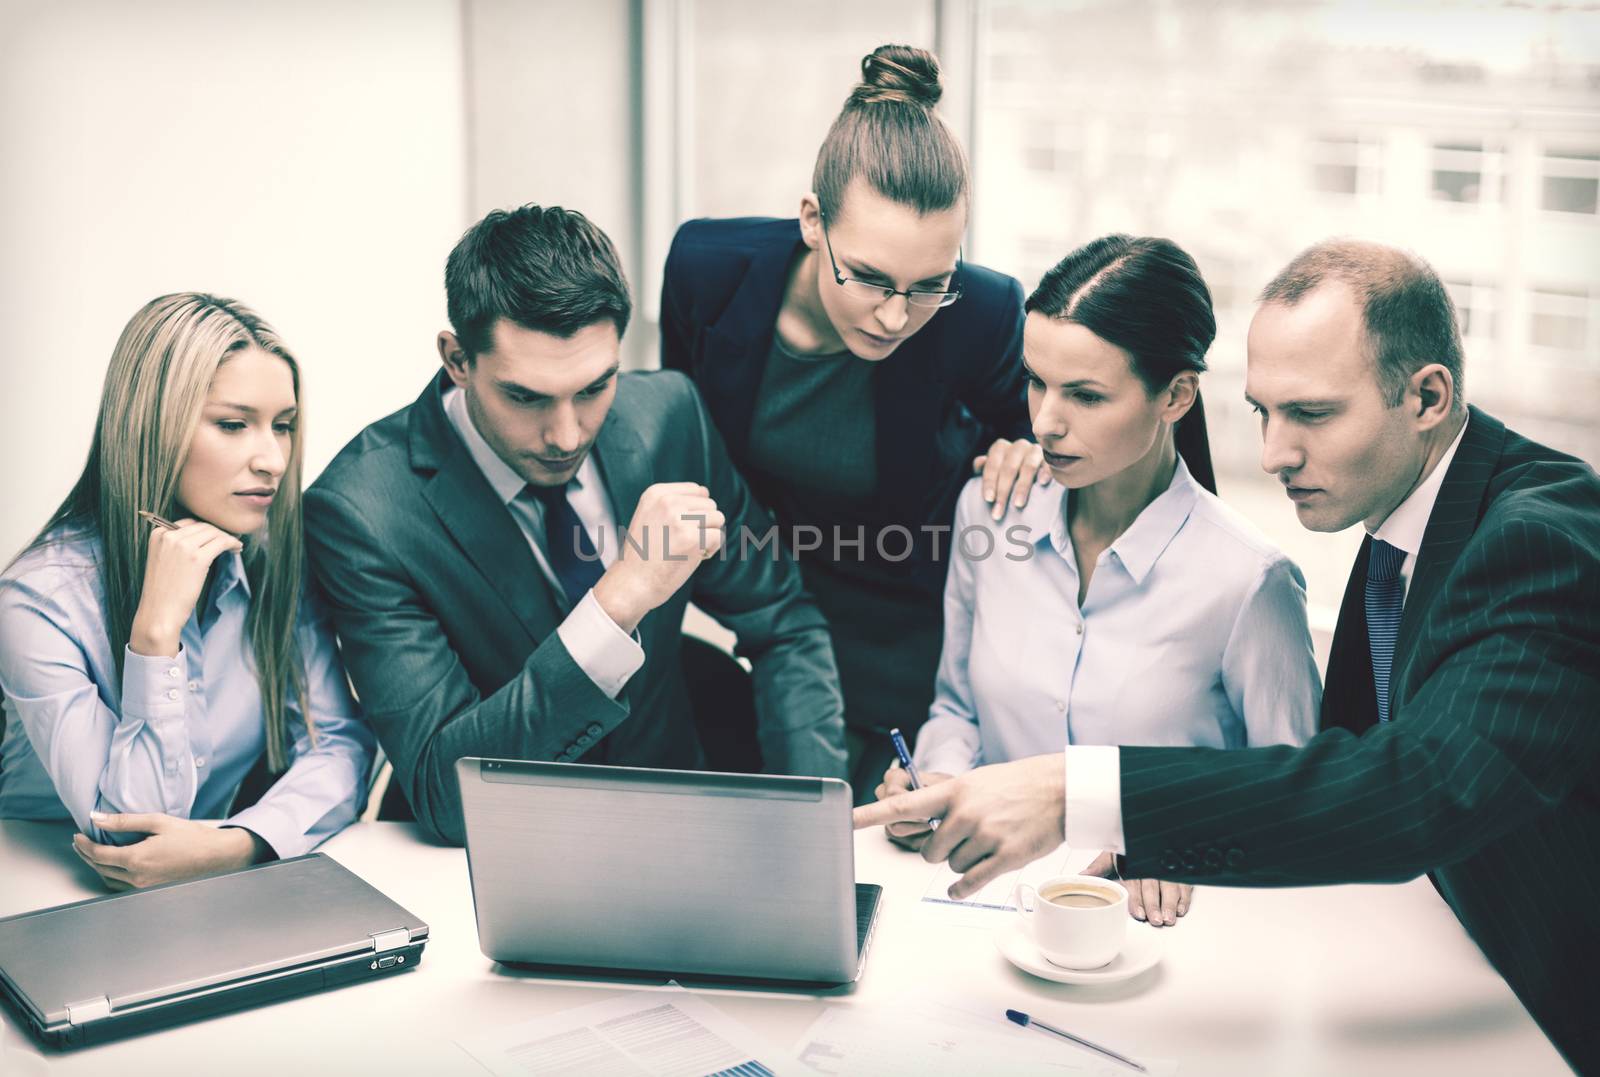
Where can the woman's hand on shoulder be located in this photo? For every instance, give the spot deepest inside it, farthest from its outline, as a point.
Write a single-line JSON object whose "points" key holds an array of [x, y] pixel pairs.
{"points": [[1010, 470], [174, 573]]}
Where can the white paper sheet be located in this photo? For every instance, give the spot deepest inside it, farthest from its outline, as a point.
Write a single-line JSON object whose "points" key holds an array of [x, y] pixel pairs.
{"points": [[670, 1033], [931, 1040], [999, 896]]}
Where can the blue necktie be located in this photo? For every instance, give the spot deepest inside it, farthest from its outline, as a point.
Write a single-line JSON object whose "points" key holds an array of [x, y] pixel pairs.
{"points": [[566, 543], [1386, 594]]}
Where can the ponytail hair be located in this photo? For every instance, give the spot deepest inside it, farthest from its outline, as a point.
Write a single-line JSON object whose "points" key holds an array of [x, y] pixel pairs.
{"points": [[1145, 296], [889, 134]]}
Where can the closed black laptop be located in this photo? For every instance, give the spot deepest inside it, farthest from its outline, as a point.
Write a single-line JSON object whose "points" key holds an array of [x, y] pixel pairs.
{"points": [[110, 966]]}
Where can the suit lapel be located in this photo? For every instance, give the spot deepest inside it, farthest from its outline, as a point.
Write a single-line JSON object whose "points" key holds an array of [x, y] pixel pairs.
{"points": [[624, 467], [477, 521], [736, 344], [1454, 518]]}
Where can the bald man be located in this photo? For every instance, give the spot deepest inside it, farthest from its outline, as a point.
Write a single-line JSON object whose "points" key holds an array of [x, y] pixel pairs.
{"points": [[1461, 716]]}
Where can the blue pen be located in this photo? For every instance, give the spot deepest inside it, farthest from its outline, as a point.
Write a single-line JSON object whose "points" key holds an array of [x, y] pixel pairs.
{"points": [[909, 767]]}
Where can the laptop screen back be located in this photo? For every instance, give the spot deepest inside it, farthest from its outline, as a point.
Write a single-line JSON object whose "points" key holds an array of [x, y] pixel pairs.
{"points": [[612, 867]]}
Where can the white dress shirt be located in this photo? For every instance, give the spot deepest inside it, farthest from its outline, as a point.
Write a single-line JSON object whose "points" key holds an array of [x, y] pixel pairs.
{"points": [[1192, 632], [170, 734], [1094, 776], [597, 644]]}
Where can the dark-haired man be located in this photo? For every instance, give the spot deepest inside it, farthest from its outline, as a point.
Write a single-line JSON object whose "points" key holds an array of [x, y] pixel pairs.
{"points": [[1461, 713], [469, 546]]}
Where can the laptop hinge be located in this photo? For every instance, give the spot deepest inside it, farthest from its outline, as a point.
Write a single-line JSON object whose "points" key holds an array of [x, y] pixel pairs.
{"points": [[391, 940], [81, 1013]]}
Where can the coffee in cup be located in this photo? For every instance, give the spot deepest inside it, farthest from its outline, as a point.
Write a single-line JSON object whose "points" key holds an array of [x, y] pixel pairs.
{"points": [[1077, 921], [1075, 896]]}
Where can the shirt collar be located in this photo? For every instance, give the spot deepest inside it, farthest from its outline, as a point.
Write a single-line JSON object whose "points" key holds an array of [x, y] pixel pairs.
{"points": [[505, 482], [1406, 525], [230, 574], [1147, 538]]}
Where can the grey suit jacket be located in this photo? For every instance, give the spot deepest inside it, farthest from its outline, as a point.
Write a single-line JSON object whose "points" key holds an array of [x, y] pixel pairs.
{"points": [[447, 625]]}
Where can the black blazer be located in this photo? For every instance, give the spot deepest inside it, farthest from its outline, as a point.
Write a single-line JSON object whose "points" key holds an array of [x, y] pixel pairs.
{"points": [[1488, 776], [941, 397], [448, 627]]}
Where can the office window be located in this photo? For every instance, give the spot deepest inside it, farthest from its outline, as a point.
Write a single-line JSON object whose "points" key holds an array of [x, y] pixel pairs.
{"points": [[1467, 172], [1562, 319], [1571, 181], [1475, 308], [1345, 166], [755, 113]]}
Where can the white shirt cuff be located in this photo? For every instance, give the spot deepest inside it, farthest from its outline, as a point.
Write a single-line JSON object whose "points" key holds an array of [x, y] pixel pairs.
{"points": [[1094, 797], [599, 647]]}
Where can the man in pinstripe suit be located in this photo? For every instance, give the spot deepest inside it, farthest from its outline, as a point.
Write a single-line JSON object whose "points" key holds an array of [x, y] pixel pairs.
{"points": [[1461, 717]]}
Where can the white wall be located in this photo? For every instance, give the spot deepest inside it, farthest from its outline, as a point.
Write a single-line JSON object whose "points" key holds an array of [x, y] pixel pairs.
{"points": [[550, 90], [305, 157]]}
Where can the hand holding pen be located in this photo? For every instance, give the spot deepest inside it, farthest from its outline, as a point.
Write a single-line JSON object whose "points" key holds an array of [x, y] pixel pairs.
{"points": [[900, 777]]}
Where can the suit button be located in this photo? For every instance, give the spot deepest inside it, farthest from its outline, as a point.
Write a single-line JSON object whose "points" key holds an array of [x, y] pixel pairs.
{"points": [[584, 740], [1170, 861], [594, 730], [1190, 860], [1213, 858], [563, 757], [1235, 858]]}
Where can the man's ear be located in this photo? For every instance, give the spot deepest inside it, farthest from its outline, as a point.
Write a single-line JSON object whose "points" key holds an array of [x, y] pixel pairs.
{"points": [[1431, 396], [454, 357], [811, 220]]}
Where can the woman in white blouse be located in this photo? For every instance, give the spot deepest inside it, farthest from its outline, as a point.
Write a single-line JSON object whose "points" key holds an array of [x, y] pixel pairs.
{"points": [[156, 640], [1126, 604]]}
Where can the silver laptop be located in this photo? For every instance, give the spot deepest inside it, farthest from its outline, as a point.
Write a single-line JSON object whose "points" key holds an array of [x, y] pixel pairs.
{"points": [[737, 877], [125, 963]]}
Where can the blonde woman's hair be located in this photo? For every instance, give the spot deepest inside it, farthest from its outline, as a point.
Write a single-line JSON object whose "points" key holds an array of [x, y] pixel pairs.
{"points": [[156, 387], [889, 134]]}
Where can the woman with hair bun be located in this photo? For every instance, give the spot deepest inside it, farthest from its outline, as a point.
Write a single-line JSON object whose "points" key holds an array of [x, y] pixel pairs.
{"points": [[1144, 612], [856, 365], [157, 645]]}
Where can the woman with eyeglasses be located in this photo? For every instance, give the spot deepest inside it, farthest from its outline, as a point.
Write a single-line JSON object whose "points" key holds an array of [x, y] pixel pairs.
{"points": [[158, 649], [856, 366]]}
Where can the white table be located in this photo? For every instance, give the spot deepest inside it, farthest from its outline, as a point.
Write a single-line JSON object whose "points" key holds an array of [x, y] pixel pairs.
{"points": [[1340, 980]]}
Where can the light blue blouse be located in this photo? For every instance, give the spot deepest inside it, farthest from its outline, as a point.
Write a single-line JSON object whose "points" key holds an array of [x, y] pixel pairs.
{"points": [[173, 735], [1193, 632]]}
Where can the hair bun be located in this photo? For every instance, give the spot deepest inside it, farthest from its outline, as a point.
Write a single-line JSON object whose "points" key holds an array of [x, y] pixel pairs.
{"points": [[899, 73]]}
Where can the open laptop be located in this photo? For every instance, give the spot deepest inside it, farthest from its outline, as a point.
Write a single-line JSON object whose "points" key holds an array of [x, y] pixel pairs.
{"points": [[125, 963], [739, 877]]}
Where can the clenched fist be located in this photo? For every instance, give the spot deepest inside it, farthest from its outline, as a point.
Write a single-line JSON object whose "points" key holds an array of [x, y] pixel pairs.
{"points": [[675, 526]]}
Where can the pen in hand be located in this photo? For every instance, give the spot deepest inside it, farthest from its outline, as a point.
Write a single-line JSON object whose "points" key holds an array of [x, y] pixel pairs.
{"points": [[909, 767], [159, 521]]}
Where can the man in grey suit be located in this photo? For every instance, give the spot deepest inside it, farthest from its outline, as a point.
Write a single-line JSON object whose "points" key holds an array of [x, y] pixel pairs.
{"points": [[487, 602]]}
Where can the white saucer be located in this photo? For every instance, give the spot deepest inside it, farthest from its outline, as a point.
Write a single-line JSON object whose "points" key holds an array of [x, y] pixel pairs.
{"points": [[1141, 952]]}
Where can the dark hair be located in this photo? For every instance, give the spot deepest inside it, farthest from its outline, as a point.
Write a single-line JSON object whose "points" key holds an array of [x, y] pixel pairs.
{"points": [[548, 269], [889, 134], [1408, 315], [1145, 296]]}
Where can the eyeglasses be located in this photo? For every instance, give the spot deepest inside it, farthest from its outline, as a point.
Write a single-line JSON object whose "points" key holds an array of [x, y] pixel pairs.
{"points": [[882, 293]]}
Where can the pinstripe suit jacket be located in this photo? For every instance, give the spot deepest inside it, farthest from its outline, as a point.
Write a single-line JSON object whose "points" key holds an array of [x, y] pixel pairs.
{"points": [[1487, 776]]}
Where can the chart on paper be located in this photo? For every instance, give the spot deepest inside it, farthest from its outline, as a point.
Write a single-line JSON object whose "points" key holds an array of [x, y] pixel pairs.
{"points": [[660, 1034]]}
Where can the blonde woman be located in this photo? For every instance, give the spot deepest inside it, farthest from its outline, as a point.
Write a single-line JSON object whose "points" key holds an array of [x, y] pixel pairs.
{"points": [[148, 664]]}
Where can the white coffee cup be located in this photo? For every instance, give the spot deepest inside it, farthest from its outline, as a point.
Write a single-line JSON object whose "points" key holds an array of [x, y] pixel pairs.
{"points": [[1077, 921]]}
